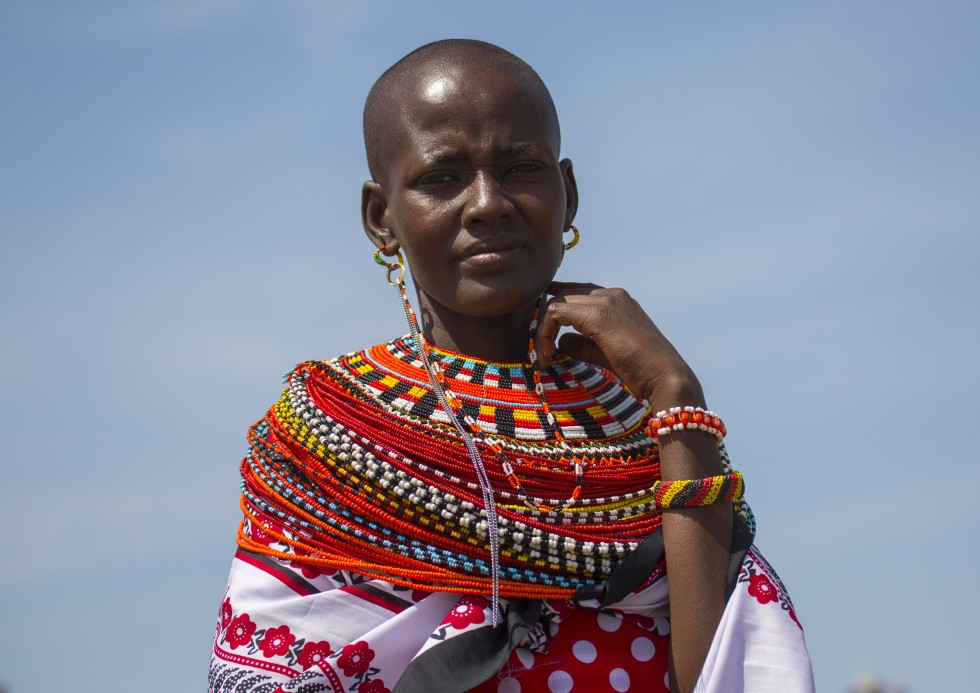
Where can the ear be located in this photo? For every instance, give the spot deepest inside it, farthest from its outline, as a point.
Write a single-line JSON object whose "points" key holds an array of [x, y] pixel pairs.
{"points": [[571, 191], [375, 217]]}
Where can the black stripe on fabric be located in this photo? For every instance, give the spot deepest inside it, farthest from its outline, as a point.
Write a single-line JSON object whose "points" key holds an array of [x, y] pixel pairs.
{"points": [[506, 381], [381, 594], [276, 567]]}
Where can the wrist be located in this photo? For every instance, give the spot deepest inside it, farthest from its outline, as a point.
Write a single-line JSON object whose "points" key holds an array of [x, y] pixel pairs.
{"points": [[675, 390]]}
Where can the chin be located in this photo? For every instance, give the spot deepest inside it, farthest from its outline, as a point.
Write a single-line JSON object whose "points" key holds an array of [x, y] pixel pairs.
{"points": [[496, 301]]}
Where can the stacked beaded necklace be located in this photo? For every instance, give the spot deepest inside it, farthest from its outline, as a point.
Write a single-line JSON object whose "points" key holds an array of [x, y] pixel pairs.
{"points": [[374, 463]]}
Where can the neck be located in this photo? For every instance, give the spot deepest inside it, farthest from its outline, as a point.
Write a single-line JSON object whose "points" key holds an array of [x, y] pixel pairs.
{"points": [[502, 338]]}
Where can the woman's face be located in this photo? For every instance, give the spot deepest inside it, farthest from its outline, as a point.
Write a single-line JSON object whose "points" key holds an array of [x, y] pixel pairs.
{"points": [[474, 192]]}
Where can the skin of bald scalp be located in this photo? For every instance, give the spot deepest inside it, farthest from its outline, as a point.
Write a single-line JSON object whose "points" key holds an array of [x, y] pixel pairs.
{"points": [[417, 65], [474, 193]]}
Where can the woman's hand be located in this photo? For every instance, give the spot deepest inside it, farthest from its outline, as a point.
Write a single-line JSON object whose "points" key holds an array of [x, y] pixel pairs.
{"points": [[613, 331]]}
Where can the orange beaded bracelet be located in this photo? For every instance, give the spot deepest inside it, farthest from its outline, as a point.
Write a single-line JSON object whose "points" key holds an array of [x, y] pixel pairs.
{"points": [[681, 418]]}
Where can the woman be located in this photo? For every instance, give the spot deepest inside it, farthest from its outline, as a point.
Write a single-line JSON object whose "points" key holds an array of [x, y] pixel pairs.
{"points": [[468, 507]]}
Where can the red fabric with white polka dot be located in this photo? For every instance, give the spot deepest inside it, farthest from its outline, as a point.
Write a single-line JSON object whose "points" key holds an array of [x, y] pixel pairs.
{"points": [[592, 652]]}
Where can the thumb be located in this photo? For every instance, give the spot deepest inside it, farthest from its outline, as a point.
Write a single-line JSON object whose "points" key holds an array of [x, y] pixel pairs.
{"points": [[582, 348]]}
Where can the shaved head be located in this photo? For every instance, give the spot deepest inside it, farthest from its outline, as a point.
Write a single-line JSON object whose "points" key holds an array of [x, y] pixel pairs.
{"points": [[430, 70]]}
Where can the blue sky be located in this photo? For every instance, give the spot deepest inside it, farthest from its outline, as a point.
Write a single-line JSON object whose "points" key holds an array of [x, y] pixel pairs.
{"points": [[790, 189]]}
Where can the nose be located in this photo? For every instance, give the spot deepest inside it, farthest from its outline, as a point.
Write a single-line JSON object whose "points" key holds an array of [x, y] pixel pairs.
{"points": [[485, 200]]}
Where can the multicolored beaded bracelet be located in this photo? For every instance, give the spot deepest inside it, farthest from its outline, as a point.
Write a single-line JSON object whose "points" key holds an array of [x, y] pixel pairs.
{"points": [[680, 418], [696, 493]]}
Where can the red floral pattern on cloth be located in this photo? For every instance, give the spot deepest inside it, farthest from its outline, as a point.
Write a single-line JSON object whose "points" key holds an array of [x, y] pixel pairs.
{"points": [[313, 653], [277, 641], [572, 649], [258, 533], [355, 658], [225, 618], [765, 585], [467, 612], [592, 651], [761, 588], [240, 631]]}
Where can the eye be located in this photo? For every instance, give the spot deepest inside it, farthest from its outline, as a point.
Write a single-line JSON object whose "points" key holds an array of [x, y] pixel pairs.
{"points": [[525, 167], [438, 178]]}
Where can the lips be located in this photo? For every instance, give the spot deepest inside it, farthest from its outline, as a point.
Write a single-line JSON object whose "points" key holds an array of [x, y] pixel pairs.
{"points": [[491, 249]]}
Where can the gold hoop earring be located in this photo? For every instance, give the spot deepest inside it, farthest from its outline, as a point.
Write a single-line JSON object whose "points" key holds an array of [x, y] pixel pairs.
{"points": [[574, 242], [398, 266]]}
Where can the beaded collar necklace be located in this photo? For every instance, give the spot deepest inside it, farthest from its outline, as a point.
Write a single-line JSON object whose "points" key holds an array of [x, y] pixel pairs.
{"points": [[358, 468], [568, 458], [472, 431]]}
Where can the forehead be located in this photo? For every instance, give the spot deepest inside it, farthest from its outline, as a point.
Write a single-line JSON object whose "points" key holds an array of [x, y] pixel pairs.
{"points": [[452, 107]]}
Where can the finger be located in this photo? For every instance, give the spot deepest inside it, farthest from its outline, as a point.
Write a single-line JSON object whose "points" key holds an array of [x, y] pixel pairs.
{"points": [[583, 348], [560, 312], [546, 336]]}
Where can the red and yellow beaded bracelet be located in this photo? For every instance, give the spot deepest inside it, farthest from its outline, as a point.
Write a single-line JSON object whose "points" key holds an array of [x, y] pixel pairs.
{"points": [[696, 493]]}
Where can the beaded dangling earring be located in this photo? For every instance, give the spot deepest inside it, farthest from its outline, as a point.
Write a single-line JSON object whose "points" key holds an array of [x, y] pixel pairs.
{"points": [[574, 242], [391, 266], [486, 489]]}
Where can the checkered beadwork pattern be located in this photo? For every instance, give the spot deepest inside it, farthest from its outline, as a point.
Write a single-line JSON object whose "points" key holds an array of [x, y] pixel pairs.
{"points": [[589, 402]]}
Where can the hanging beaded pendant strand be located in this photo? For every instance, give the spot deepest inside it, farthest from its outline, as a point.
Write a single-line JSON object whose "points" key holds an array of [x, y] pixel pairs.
{"points": [[486, 489]]}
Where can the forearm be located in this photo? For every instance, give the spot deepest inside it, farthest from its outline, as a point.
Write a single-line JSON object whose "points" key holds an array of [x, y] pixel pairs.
{"points": [[697, 543], [611, 329]]}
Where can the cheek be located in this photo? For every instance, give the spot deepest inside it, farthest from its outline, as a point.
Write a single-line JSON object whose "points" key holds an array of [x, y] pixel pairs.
{"points": [[432, 269], [555, 237], [427, 256], [425, 227]]}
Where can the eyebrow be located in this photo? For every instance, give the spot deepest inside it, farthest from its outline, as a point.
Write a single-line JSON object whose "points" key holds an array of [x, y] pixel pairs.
{"points": [[444, 155]]}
